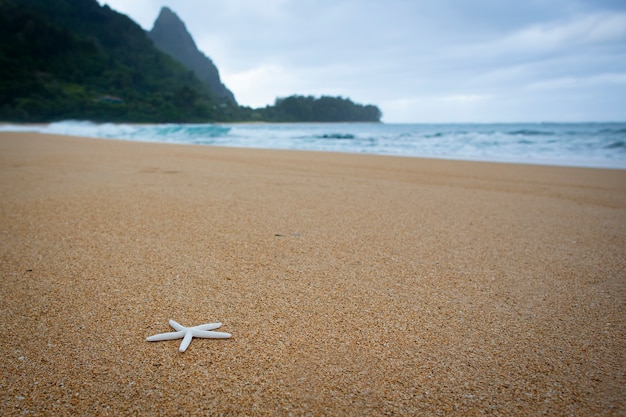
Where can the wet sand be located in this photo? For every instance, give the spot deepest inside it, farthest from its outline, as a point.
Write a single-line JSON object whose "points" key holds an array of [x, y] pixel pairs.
{"points": [[352, 284]]}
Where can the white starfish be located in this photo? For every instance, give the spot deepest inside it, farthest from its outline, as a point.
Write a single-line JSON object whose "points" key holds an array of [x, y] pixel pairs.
{"points": [[187, 333]]}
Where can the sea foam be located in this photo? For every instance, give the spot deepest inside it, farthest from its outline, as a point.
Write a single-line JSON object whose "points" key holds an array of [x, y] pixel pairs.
{"points": [[571, 144]]}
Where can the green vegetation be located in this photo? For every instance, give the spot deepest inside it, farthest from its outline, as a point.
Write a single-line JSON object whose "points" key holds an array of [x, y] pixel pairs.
{"points": [[73, 59], [325, 109], [66, 59], [298, 108]]}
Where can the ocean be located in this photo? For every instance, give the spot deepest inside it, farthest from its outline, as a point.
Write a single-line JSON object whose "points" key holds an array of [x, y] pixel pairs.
{"points": [[599, 145]]}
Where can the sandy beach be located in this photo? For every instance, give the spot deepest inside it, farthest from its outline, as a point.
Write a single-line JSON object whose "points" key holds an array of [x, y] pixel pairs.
{"points": [[351, 284]]}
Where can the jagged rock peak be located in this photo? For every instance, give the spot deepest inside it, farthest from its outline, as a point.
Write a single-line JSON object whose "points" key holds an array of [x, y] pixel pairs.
{"points": [[169, 25], [170, 35]]}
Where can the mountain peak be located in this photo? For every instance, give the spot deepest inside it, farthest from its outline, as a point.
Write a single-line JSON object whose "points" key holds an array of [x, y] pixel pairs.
{"points": [[169, 25], [170, 35]]}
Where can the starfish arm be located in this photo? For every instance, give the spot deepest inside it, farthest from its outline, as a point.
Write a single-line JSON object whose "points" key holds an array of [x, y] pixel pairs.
{"points": [[211, 335], [186, 341], [210, 326], [165, 336], [178, 327]]}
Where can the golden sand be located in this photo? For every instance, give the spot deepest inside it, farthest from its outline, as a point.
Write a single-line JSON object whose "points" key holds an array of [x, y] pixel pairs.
{"points": [[352, 284]]}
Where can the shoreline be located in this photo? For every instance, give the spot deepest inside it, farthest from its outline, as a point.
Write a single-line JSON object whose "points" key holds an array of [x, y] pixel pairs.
{"points": [[246, 138], [339, 154], [352, 284]]}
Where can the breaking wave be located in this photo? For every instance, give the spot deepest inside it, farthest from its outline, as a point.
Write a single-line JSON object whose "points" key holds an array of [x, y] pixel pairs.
{"points": [[571, 144]]}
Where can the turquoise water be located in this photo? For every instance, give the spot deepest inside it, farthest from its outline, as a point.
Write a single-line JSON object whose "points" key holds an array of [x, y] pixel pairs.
{"points": [[570, 144]]}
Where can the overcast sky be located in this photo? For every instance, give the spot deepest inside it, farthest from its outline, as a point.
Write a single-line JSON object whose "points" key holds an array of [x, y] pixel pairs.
{"points": [[418, 60]]}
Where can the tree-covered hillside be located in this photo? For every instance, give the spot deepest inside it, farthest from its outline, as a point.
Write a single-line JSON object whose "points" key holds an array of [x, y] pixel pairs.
{"points": [[62, 59], [324, 109]]}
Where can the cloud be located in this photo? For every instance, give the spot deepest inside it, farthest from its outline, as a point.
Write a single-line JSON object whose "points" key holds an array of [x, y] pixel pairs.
{"points": [[599, 80], [438, 109], [464, 98], [259, 86], [142, 12], [557, 37]]}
